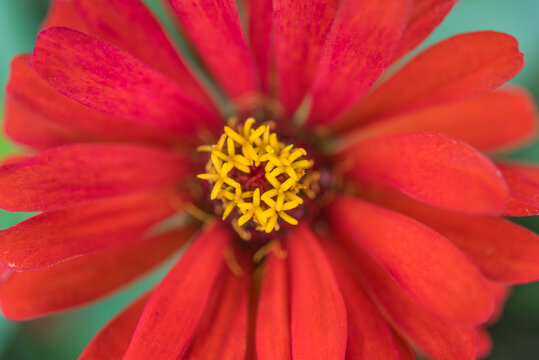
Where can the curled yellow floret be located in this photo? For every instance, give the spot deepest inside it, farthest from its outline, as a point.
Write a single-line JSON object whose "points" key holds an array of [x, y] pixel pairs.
{"points": [[257, 177]]}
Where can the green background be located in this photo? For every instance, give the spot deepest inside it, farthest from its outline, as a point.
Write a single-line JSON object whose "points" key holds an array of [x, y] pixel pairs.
{"points": [[516, 335]]}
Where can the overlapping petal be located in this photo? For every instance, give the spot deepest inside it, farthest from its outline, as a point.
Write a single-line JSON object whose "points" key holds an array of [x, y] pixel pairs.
{"points": [[426, 16], [523, 182], [222, 331], [427, 266], [260, 17], [33, 105], [500, 292], [358, 48], [404, 347], [129, 25], [480, 122], [484, 343], [299, 32], [431, 168], [369, 335], [63, 13], [52, 237], [80, 173], [318, 314], [170, 318], [531, 170], [27, 127], [112, 340], [440, 340], [210, 25], [502, 250], [107, 79], [273, 314], [28, 294], [453, 70]]}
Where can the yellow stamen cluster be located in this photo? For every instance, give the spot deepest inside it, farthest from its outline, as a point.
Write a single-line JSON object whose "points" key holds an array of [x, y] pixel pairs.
{"points": [[243, 148]]}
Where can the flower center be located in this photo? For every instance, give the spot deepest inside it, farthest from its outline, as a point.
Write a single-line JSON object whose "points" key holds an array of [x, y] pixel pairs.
{"points": [[257, 179]]}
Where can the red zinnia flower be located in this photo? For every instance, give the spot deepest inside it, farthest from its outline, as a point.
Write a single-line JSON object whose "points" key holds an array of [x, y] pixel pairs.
{"points": [[400, 242]]}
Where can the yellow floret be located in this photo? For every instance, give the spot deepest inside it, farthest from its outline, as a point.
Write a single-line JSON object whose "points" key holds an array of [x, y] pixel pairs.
{"points": [[243, 146]]}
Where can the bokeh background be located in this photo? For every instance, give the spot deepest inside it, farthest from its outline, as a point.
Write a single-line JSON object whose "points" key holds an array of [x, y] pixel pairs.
{"points": [[63, 336]]}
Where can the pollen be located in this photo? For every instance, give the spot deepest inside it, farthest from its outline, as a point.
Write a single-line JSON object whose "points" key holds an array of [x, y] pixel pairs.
{"points": [[257, 179]]}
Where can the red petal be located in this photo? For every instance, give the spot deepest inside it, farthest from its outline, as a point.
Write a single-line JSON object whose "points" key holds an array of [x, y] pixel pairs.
{"points": [[211, 25], [75, 174], [298, 45], [49, 238], [63, 13], [273, 315], [105, 78], [453, 70], [170, 318], [406, 351], [222, 331], [440, 340], [429, 268], [485, 343], [481, 122], [30, 128], [359, 46], [318, 314], [260, 28], [112, 341], [11, 158], [43, 107], [426, 16], [503, 250], [72, 283], [369, 336], [431, 168], [523, 189], [500, 292], [129, 25], [531, 170]]}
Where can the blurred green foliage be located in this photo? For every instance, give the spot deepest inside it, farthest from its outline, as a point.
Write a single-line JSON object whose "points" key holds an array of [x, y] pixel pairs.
{"points": [[63, 336]]}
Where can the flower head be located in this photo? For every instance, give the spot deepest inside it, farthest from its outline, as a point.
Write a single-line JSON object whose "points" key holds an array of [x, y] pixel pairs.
{"points": [[333, 213]]}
